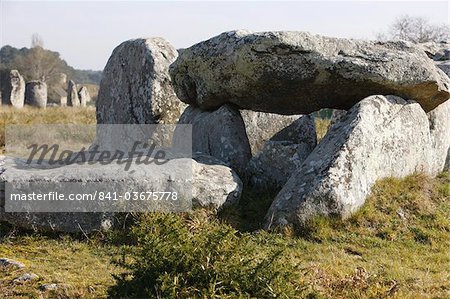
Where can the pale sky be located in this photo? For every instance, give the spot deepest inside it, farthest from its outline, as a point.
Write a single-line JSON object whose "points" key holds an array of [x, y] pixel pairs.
{"points": [[86, 32]]}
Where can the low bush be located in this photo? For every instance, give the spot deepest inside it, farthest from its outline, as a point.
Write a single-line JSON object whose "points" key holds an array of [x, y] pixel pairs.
{"points": [[194, 256]]}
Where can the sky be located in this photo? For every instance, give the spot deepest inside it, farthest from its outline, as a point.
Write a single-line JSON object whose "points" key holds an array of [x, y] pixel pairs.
{"points": [[86, 32]]}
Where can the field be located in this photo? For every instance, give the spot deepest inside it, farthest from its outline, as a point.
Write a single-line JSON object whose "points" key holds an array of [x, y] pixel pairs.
{"points": [[395, 247], [29, 116]]}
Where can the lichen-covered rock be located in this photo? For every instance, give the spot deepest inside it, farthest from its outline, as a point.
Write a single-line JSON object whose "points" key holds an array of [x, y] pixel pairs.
{"points": [[36, 94], [261, 127], [440, 137], [299, 73], [220, 133], [275, 163], [336, 116], [379, 137], [136, 86], [84, 96], [72, 95], [282, 154], [13, 89], [205, 185], [215, 185]]}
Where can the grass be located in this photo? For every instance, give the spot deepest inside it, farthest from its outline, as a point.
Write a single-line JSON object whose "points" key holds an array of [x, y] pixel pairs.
{"points": [[395, 246], [52, 115], [82, 267]]}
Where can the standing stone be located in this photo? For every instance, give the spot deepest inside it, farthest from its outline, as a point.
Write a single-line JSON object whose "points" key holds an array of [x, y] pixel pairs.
{"points": [[282, 154], [299, 73], [13, 92], [61, 95], [440, 137], [220, 134], [62, 79], [379, 137], [84, 96], [260, 126], [136, 86], [72, 95], [36, 94]]}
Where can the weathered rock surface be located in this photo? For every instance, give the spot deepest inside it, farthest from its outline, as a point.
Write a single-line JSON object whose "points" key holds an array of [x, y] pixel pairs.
{"points": [[220, 133], [207, 185], [299, 73], [282, 154], [379, 137], [275, 163], [25, 278], [260, 126], [440, 137], [84, 96], [36, 94], [13, 89], [444, 66], [136, 87], [72, 95], [336, 116], [6, 262]]}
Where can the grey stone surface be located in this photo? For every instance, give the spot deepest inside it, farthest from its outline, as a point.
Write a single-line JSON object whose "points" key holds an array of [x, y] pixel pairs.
{"points": [[72, 95], [207, 186], [14, 91], [444, 66], [282, 154], [84, 96], [336, 116], [36, 94], [136, 87], [220, 133], [6, 262], [260, 126], [439, 120], [54, 286], [299, 73], [379, 137], [25, 278]]}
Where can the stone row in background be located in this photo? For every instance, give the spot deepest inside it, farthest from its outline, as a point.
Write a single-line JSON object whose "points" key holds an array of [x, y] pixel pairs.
{"points": [[15, 92]]}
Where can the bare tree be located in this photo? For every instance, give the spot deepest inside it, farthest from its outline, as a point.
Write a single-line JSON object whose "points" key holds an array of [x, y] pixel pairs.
{"points": [[417, 30], [39, 63], [37, 41]]}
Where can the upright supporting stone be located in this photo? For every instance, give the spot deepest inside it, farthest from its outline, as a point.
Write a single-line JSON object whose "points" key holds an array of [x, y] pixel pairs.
{"points": [[440, 137], [136, 87], [36, 94], [379, 137], [220, 134], [282, 155]]}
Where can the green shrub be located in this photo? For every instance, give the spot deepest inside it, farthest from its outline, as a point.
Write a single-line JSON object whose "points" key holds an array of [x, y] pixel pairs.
{"points": [[193, 257]]}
